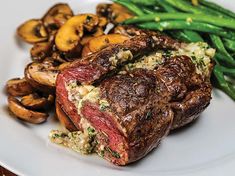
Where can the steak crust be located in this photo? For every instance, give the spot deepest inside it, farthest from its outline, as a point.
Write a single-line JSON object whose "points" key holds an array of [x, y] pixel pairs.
{"points": [[189, 92], [97, 66], [140, 109], [143, 104]]}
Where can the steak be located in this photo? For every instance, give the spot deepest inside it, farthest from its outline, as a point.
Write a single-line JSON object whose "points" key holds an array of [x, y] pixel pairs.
{"points": [[189, 92], [101, 64], [135, 119], [131, 111]]}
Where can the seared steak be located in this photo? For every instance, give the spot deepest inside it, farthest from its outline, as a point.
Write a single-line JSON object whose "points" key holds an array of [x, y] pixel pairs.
{"points": [[130, 112], [189, 92], [98, 65], [140, 109]]}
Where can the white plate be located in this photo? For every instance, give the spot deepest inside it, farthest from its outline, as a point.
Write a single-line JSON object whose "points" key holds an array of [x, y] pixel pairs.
{"points": [[206, 147]]}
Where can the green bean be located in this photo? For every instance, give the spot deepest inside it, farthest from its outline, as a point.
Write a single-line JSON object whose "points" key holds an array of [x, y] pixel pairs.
{"points": [[193, 36], [224, 85], [228, 71], [148, 10], [218, 44], [144, 2], [132, 7], [176, 25], [218, 21], [185, 35], [187, 7], [229, 44], [166, 6], [218, 8], [184, 6], [222, 58], [206, 10]]}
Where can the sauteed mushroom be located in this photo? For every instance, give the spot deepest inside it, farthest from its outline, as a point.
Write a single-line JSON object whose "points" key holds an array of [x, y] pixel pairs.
{"points": [[40, 51], [70, 34], [114, 12], [32, 31], [18, 87], [25, 114], [103, 41], [56, 16], [41, 76], [34, 101]]}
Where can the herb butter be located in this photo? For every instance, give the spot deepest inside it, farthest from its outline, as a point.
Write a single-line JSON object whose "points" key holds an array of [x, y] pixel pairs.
{"points": [[82, 142], [200, 54]]}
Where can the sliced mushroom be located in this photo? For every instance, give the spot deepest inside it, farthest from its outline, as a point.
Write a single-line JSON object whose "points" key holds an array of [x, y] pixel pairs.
{"points": [[40, 51], [98, 32], [56, 55], [64, 119], [18, 87], [73, 54], [34, 101], [56, 16], [103, 22], [32, 31], [25, 114], [70, 34], [42, 76], [101, 42], [114, 12]]}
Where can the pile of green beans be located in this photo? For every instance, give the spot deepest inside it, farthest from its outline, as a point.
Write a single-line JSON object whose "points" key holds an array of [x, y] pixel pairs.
{"points": [[182, 20]]}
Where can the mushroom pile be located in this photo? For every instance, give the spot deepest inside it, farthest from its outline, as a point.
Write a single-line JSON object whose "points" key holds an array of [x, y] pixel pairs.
{"points": [[57, 39]]}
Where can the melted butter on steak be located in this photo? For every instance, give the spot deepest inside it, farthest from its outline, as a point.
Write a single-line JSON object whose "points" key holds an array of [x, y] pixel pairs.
{"points": [[82, 142], [81, 93], [121, 56], [200, 54], [148, 62]]}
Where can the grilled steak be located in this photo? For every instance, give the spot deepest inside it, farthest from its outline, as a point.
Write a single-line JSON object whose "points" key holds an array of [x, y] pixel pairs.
{"points": [[96, 66], [189, 92], [194, 96], [134, 118], [130, 112]]}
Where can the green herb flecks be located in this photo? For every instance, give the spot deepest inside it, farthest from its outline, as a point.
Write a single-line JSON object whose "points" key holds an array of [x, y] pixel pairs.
{"points": [[148, 115], [103, 105], [113, 153]]}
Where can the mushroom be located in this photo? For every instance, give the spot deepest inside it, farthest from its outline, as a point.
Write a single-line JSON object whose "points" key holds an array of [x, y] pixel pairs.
{"points": [[56, 16], [32, 31], [98, 32], [18, 87], [42, 76], [34, 101], [64, 119], [40, 51], [98, 43], [115, 13], [58, 57], [102, 22], [70, 34], [25, 114]]}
